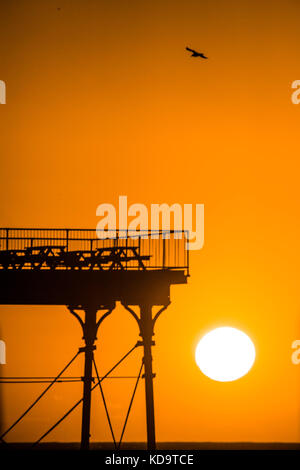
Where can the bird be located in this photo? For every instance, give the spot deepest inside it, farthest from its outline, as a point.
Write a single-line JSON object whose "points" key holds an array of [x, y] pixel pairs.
{"points": [[196, 54]]}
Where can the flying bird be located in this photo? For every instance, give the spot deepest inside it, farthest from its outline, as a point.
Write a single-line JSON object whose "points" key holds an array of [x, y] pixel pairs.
{"points": [[196, 54]]}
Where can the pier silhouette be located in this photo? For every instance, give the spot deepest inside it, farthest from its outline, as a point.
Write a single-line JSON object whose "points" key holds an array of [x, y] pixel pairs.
{"points": [[88, 272]]}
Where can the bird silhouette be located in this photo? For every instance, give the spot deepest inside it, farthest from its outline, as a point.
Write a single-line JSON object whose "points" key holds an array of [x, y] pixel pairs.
{"points": [[196, 54]]}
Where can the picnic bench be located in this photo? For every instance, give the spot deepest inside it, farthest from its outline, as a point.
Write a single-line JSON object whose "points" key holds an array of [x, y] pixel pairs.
{"points": [[59, 257]]}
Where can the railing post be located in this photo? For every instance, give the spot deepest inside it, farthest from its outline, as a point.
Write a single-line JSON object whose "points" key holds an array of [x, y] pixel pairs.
{"points": [[67, 239], [126, 250], [139, 249], [164, 252], [187, 255]]}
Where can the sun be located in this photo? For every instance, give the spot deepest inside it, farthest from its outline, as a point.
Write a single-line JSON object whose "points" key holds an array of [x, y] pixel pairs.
{"points": [[225, 354]]}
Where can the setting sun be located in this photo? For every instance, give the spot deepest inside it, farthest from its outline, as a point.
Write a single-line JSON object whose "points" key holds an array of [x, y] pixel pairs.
{"points": [[225, 354]]}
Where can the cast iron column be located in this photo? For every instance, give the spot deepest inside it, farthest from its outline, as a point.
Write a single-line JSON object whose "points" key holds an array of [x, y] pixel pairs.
{"points": [[90, 331], [146, 327]]}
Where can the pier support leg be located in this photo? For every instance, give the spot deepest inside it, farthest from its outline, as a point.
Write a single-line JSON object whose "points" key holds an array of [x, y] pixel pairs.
{"points": [[89, 327], [146, 326], [90, 331]]}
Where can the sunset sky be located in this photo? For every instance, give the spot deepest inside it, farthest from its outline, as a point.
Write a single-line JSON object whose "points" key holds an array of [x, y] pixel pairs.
{"points": [[103, 100]]}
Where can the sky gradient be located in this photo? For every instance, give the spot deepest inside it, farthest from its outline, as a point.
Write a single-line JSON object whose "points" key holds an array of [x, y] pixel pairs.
{"points": [[103, 100]]}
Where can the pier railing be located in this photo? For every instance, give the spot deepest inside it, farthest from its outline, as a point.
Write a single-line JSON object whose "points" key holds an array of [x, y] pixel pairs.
{"points": [[90, 249]]}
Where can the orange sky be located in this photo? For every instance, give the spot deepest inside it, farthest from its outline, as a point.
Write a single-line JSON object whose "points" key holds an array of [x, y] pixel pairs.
{"points": [[103, 100]]}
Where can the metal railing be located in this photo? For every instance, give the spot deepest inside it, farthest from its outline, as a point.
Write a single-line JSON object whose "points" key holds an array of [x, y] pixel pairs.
{"points": [[25, 248]]}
